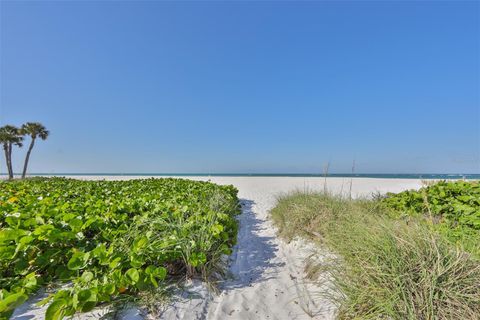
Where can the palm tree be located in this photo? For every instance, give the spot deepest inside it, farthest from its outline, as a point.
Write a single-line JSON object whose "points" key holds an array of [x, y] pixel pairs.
{"points": [[10, 136], [34, 130], [4, 138]]}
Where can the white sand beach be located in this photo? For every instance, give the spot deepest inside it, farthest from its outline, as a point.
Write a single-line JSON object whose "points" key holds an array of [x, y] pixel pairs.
{"points": [[266, 274]]}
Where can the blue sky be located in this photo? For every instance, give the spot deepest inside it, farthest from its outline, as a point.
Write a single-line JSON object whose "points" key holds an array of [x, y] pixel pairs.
{"points": [[253, 87]]}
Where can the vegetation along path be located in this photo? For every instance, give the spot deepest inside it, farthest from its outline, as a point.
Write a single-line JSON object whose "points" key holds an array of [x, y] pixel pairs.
{"points": [[266, 274], [267, 278]]}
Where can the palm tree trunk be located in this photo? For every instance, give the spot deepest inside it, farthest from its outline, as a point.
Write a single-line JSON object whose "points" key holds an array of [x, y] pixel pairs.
{"points": [[10, 166], [27, 157], [5, 148]]}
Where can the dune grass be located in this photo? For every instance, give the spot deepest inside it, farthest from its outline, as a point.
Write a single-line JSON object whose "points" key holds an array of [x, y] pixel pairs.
{"points": [[384, 268]]}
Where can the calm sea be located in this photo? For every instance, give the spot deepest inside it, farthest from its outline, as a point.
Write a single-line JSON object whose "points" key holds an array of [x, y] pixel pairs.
{"points": [[474, 176]]}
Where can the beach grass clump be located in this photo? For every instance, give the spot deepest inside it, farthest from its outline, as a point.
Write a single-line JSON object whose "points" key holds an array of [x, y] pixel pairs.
{"points": [[382, 267], [109, 240]]}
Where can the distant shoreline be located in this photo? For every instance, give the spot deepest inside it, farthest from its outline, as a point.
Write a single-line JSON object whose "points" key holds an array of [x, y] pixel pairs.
{"points": [[466, 176]]}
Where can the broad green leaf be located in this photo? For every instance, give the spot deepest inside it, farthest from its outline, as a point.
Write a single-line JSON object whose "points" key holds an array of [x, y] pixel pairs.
{"points": [[132, 275], [109, 288], [115, 263], [160, 273], [87, 276], [86, 295], [30, 281], [12, 301], [140, 244], [56, 310], [78, 261]]}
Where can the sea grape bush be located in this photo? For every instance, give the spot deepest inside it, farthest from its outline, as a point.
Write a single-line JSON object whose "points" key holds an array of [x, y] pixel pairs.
{"points": [[107, 238], [453, 207]]}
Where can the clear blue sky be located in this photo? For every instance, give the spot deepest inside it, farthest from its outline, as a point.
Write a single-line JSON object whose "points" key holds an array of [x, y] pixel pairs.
{"points": [[245, 86]]}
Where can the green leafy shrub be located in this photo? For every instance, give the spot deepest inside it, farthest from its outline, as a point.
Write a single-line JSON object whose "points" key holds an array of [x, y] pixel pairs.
{"points": [[108, 238], [453, 208]]}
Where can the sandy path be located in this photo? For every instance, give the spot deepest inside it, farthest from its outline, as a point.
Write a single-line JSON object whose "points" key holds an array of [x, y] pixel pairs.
{"points": [[266, 280], [267, 273]]}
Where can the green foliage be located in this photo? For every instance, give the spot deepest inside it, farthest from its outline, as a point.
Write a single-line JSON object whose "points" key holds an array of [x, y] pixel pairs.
{"points": [[107, 238], [379, 266], [453, 208]]}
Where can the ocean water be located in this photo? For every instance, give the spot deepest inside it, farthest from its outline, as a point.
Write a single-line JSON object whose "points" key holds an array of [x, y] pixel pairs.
{"points": [[435, 176]]}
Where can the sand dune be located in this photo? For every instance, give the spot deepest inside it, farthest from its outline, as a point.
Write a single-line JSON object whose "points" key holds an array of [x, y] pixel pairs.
{"points": [[267, 273], [266, 278]]}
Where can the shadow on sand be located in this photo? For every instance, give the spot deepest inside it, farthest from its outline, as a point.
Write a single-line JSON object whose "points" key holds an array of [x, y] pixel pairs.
{"points": [[253, 257]]}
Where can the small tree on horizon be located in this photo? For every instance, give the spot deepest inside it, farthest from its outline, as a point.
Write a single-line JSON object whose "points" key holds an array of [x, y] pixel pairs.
{"points": [[10, 136], [34, 130]]}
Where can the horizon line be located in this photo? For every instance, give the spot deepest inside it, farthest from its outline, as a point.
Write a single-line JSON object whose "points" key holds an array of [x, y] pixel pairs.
{"points": [[360, 175]]}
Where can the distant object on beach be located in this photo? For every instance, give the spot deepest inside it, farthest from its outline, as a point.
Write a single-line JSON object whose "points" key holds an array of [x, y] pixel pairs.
{"points": [[13, 136]]}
